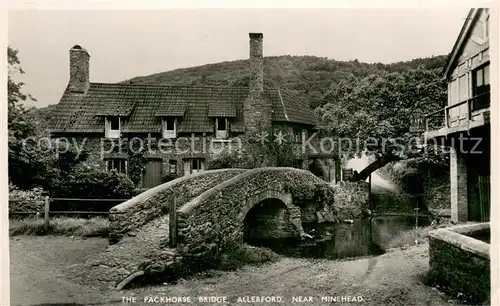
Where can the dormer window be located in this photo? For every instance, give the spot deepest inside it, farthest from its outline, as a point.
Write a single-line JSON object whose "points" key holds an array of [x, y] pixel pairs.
{"points": [[113, 127], [169, 127], [221, 128]]}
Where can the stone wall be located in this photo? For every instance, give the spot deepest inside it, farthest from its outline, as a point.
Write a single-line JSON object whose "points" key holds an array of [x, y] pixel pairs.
{"points": [[437, 194], [458, 186], [351, 199], [154, 202], [459, 263]]}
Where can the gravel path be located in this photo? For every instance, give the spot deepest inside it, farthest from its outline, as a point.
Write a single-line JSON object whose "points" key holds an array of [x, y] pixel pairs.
{"points": [[38, 270], [39, 275], [395, 278]]}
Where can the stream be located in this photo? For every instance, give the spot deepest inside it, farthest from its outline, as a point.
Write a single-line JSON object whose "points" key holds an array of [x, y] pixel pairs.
{"points": [[362, 237]]}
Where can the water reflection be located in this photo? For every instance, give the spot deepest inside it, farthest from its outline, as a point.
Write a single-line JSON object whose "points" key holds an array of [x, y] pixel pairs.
{"points": [[362, 237]]}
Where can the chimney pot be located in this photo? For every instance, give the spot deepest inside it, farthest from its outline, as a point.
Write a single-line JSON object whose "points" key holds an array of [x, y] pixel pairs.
{"points": [[255, 44], [256, 35]]}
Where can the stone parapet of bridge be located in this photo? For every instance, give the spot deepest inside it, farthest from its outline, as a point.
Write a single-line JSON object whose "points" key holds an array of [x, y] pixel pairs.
{"points": [[153, 203]]}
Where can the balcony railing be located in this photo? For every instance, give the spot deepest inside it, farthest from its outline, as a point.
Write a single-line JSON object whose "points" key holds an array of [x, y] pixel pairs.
{"points": [[435, 121], [455, 114]]}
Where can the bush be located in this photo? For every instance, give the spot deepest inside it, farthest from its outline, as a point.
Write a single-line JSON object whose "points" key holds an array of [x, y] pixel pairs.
{"points": [[94, 227], [226, 159], [94, 183], [236, 256], [25, 200]]}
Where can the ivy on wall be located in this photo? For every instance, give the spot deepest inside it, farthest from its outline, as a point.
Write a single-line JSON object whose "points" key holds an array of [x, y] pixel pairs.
{"points": [[272, 148], [138, 158], [136, 152], [137, 166]]}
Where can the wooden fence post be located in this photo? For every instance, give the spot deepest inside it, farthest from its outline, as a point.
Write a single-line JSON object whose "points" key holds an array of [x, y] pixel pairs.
{"points": [[46, 210], [370, 192], [173, 222]]}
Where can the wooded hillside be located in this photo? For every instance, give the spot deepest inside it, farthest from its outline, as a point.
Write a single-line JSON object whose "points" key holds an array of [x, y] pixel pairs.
{"points": [[311, 76]]}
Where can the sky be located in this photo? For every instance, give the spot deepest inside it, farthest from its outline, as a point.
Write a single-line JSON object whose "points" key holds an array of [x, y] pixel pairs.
{"points": [[125, 44]]}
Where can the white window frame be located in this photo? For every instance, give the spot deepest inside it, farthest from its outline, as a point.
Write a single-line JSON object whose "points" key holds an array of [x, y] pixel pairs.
{"points": [[298, 134], [221, 134], [172, 165], [168, 133], [110, 133], [112, 161], [200, 165]]}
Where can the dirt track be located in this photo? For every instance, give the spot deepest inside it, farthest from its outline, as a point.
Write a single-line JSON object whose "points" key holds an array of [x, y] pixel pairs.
{"points": [[38, 277]]}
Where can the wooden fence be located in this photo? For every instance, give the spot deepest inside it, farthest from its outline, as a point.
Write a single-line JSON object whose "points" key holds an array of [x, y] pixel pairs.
{"points": [[47, 212]]}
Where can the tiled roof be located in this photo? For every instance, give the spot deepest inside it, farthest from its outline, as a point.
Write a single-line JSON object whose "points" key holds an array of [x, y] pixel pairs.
{"points": [[142, 106], [224, 109], [172, 110]]}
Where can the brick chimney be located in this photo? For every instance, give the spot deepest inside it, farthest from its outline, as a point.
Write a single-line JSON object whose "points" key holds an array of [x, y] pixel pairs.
{"points": [[78, 69], [257, 110]]}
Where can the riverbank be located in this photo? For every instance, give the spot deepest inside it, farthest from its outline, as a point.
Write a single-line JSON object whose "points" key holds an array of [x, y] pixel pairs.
{"points": [[396, 277]]}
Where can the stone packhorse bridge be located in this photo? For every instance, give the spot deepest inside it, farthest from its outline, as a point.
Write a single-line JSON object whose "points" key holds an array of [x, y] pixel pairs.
{"points": [[214, 209]]}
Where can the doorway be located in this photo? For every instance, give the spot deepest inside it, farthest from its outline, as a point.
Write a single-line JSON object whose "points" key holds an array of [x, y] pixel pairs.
{"points": [[152, 176]]}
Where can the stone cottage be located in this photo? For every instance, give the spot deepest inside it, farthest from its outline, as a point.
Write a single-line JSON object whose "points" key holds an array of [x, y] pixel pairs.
{"points": [[188, 122], [463, 125]]}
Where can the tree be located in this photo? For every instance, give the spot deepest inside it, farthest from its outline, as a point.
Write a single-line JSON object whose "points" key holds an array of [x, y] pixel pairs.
{"points": [[374, 113], [29, 163], [17, 123]]}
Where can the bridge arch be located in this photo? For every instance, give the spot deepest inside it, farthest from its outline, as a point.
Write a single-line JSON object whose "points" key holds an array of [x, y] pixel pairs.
{"points": [[261, 195], [272, 194]]}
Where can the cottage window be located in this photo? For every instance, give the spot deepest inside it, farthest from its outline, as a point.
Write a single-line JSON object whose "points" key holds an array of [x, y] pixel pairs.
{"points": [[221, 128], [481, 80], [193, 165], [117, 164], [481, 87], [115, 123], [172, 164], [169, 129], [113, 127], [297, 134], [196, 165]]}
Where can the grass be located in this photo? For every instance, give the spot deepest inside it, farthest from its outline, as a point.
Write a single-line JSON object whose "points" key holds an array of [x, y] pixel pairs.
{"points": [[236, 256], [64, 226]]}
